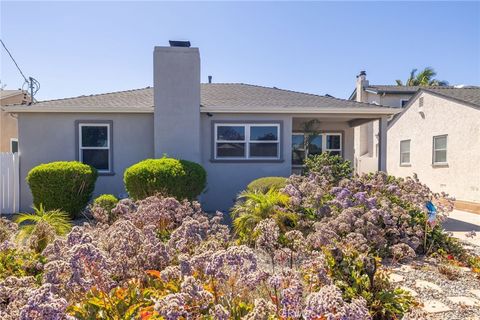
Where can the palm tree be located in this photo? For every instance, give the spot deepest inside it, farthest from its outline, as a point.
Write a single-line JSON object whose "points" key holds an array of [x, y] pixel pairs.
{"points": [[424, 78], [29, 223], [252, 207]]}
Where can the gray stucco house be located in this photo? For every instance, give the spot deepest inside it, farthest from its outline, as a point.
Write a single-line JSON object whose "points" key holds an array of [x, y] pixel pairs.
{"points": [[238, 132]]}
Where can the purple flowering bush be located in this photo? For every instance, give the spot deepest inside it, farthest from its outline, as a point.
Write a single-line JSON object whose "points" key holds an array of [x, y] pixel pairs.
{"points": [[311, 251]]}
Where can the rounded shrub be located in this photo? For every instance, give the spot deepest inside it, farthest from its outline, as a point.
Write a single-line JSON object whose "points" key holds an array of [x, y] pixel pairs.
{"points": [[181, 179], [106, 202], [266, 183], [63, 185]]}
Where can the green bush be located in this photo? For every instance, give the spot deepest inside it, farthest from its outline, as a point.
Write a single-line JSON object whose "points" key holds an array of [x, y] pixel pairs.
{"points": [[106, 201], [334, 167], [181, 179], [63, 185], [266, 183]]}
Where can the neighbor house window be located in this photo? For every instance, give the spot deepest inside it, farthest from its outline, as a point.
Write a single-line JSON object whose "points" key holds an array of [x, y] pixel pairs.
{"points": [[405, 152], [247, 141], [440, 149], [94, 142], [13, 145], [306, 145], [403, 102]]}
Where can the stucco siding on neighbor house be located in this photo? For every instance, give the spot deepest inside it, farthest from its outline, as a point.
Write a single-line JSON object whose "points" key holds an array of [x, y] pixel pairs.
{"points": [[8, 123], [443, 116], [51, 137]]}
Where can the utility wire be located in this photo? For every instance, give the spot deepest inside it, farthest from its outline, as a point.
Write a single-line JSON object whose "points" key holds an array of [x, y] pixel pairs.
{"points": [[15, 62]]}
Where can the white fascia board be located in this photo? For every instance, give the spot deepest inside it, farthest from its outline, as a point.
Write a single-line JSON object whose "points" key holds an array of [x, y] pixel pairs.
{"points": [[349, 111], [34, 109]]}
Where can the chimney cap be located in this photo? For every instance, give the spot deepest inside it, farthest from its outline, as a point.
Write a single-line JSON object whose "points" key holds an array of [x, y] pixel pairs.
{"points": [[176, 43], [210, 79]]}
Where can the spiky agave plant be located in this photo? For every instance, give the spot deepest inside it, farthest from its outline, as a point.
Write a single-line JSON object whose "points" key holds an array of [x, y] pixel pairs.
{"points": [[41, 223], [253, 206]]}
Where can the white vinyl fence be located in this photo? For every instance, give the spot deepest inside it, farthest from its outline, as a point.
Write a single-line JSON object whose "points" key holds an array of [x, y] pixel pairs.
{"points": [[9, 183]]}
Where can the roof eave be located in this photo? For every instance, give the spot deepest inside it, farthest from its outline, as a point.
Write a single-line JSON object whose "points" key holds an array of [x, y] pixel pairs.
{"points": [[73, 109], [297, 110]]}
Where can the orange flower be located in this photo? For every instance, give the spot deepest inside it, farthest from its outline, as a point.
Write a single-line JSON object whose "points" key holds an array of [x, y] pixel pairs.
{"points": [[153, 273]]}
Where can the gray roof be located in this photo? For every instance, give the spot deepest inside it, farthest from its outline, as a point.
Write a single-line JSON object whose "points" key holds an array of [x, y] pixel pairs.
{"points": [[470, 95], [9, 93], [227, 95], [398, 89]]}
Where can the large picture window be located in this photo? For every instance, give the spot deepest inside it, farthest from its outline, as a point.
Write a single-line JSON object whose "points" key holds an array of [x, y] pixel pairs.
{"points": [[249, 141], [306, 145], [94, 143]]}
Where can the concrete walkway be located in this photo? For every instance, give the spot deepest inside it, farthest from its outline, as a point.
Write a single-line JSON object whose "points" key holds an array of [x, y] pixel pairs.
{"points": [[461, 222]]}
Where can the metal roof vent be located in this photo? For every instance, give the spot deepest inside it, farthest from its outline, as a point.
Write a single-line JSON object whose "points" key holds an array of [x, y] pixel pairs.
{"points": [[184, 44]]}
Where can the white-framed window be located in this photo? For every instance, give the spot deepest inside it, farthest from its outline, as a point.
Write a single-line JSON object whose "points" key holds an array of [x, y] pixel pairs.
{"points": [[94, 145], [305, 145], [13, 145], [405, 152], [247, 141], [439, 154], [333, 143], [299, 151]]}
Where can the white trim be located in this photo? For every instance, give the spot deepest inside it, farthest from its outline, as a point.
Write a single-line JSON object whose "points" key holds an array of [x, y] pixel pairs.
{"points": [[81, 147], [301, 110], [434, 149], [221, 109], [13, 140], [246, 141], [76, 109]]}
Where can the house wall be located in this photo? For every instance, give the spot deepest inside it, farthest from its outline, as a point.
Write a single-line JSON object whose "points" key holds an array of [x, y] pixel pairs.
{"points": [[47, 137], [461, 178], [8, 124], [51, 137], [226, 179], [365, 135]]}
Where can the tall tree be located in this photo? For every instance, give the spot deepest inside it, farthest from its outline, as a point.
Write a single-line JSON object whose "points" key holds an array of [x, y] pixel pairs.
{"points": [[424, 78]]}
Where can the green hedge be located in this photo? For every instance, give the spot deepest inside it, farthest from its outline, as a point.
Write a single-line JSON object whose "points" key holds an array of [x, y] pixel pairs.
{"points": [[267, 183], [63, 185], [171, 177], [106, 201]]}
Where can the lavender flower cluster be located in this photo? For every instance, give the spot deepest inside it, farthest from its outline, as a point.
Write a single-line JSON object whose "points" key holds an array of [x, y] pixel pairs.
{"points": [[368, 212]]}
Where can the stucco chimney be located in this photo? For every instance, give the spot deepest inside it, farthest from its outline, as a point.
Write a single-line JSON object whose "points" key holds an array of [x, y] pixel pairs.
{"points": [[361, 83], [176, 83]]}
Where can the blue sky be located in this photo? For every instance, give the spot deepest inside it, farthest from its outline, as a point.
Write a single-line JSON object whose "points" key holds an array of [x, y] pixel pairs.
{"points": [[76, 48]]}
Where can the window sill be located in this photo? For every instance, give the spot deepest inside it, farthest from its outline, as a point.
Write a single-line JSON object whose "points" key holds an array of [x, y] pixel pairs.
{"points": [[440, 165], [106, 173], [405, 165], [246, 161]]}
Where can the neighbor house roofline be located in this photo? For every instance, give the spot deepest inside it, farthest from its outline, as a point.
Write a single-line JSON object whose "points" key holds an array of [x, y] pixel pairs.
{"points": [[434, 92]]}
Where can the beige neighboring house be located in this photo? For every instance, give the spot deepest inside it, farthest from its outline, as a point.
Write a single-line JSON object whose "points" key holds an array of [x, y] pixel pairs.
{"points": [[437, 137], [366, 135], [8, 123]]}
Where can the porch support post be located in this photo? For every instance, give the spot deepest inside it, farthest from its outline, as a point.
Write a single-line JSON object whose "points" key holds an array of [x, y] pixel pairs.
{"points": [[382, 144]]}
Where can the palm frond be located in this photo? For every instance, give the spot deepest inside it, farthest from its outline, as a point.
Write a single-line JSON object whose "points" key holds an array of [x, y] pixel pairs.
{"points": [[399, 82]]}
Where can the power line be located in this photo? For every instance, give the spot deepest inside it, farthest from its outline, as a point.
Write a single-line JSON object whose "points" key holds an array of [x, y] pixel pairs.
{"points": [[15, 62], [33, 84]]}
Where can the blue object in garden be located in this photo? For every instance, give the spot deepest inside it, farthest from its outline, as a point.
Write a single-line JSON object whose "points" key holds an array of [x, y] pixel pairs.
{"points": [[432, 211]]}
